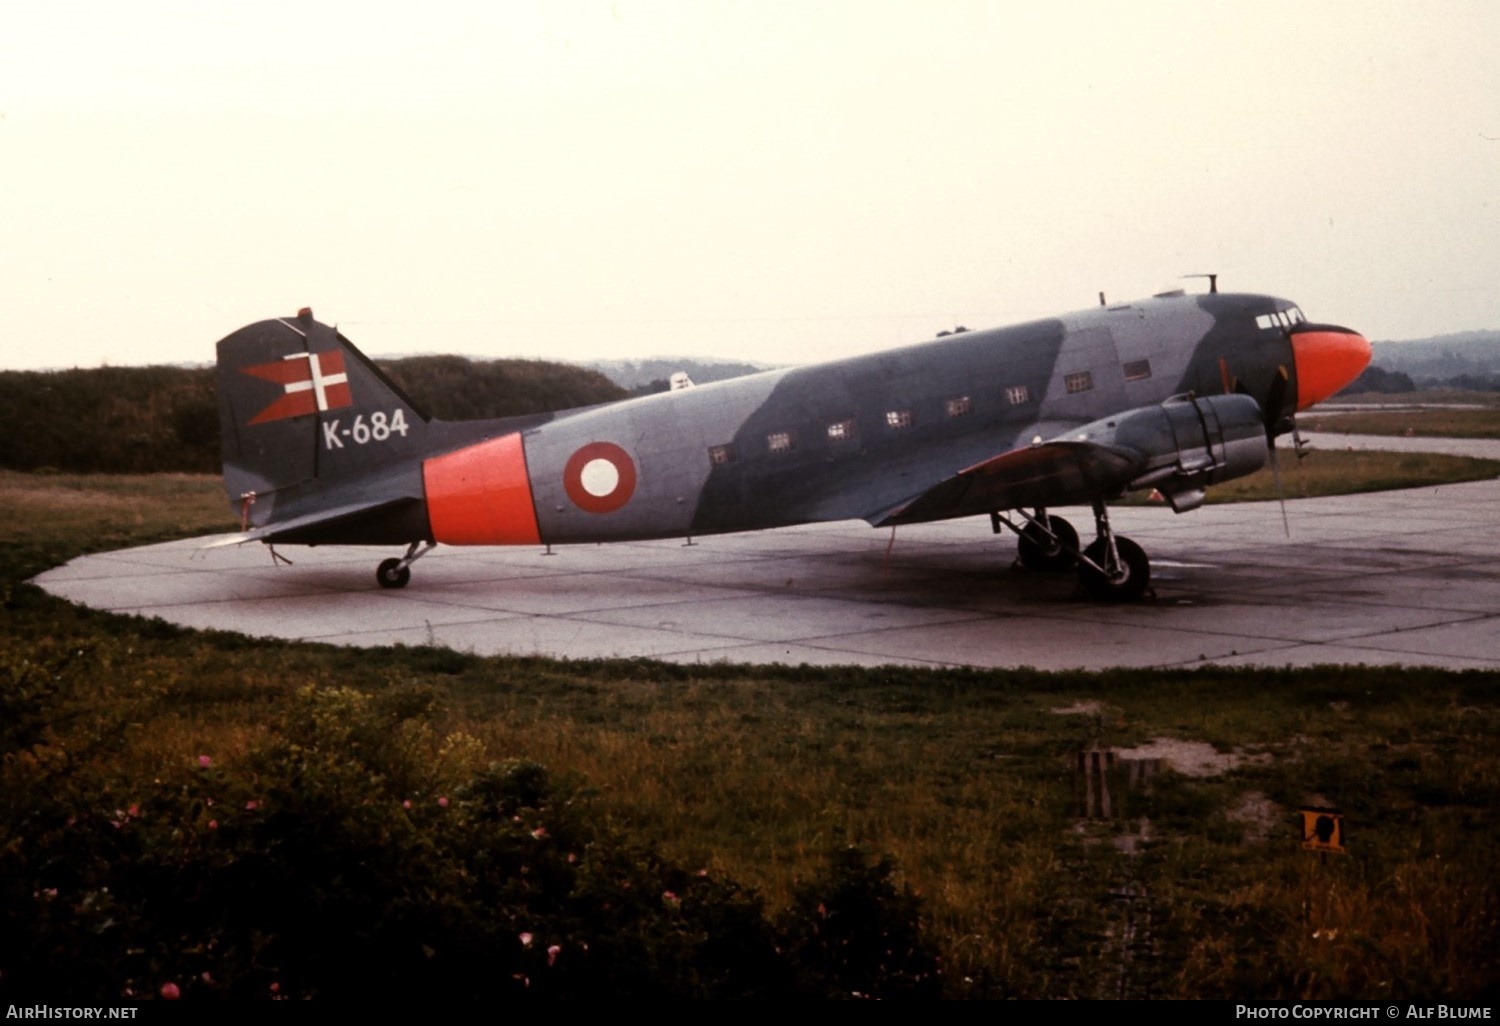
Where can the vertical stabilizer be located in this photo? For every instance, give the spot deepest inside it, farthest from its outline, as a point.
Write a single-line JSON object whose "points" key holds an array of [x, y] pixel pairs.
{"points": [[308, 421]]}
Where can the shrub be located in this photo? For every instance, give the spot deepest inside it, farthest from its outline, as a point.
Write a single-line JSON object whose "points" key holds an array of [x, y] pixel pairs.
{"points": [[358, 852], [854, 934]]}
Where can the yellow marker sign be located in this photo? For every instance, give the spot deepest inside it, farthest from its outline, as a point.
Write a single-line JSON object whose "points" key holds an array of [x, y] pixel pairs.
{"points": [[1323, 830]]}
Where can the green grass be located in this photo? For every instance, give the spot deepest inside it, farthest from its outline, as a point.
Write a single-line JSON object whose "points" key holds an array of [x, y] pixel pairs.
{"points": [[1336, 472], [755, 774], [1429, 414], [50, 518], [1428, 423], [1424, 397]]}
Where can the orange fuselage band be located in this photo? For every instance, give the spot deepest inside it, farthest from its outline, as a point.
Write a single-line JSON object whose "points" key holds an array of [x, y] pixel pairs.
{"points": [[481, 495]]}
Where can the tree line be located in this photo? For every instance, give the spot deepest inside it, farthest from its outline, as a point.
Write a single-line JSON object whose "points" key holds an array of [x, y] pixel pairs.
{"points": [[166, 419]]}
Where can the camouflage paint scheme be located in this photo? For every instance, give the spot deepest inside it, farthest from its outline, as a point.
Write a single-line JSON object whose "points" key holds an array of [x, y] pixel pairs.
{"points": [[1073, 409]]}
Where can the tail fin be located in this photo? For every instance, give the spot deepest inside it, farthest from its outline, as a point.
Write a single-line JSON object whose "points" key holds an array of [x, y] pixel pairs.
{"points": [[310, 426]]}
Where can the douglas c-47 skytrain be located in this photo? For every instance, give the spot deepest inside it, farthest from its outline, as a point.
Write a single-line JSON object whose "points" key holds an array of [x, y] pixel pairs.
{"points": [[1173, 393]]}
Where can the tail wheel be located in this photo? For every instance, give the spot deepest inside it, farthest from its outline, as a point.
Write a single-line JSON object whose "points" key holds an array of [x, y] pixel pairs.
{"points": [[1039, 551], [391, 574], [1129, 581]]}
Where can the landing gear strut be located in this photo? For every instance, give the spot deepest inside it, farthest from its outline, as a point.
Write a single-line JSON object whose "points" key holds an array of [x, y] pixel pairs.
{"points": [[394, 573], [1113, 568]]}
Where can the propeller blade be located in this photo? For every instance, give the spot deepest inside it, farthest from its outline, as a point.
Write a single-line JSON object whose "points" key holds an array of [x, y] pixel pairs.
{"points": [[1275, 400], [1280, 493]]}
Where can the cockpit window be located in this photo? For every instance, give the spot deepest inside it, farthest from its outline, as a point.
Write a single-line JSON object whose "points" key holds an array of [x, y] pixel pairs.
{"points": [[1281, 319]]}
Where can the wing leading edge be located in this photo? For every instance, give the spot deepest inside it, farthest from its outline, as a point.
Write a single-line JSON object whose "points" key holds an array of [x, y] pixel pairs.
{"points": [[1056, 473]]}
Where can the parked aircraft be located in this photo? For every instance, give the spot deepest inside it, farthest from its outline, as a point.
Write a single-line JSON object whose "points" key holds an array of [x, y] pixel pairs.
{"points": [[1174, 393]]}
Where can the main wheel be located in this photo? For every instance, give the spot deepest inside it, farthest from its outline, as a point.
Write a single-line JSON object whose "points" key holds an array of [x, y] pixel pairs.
{"points": [[391, 574], [1128, 584], [1038, 551]]}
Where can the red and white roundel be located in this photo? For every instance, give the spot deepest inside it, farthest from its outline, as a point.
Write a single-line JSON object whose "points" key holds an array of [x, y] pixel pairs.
{"points": [[600, 477]]}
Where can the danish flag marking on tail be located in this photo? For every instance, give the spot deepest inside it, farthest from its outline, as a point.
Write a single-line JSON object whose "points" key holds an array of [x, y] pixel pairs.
{"points": [[311, 383]]}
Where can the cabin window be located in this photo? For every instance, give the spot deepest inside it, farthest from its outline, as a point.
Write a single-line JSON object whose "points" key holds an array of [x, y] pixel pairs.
{"points": [[1080, 382], [720, 454], [779, 441], [1137, 370], [841, 430], [960, 407], [1018, 394], [898, 419]]}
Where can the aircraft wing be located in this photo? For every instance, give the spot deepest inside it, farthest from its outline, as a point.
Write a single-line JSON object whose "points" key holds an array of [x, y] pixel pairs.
{"points": [[1180, 446], [1056, 473]]}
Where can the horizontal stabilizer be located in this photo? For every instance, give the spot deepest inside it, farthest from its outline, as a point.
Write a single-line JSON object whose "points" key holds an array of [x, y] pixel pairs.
{"points": [[307, 529]]}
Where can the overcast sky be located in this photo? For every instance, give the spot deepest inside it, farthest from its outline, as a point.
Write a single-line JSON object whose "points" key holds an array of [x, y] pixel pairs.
{"points": [[770, 181]]}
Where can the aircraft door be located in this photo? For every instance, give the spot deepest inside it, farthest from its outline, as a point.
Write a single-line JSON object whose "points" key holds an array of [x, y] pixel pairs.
{"points": [[1086, 381]]}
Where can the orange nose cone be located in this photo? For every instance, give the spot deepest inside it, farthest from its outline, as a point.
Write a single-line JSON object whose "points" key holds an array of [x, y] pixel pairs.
{"points": [[1327, 360]]}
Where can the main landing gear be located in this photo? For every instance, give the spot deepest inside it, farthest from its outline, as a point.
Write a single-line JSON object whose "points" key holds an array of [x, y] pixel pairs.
{"points": [[394, 573], [1112, 569]]}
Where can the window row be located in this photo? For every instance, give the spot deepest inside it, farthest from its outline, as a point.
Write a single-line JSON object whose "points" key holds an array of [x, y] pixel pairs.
{"points": [[844, 430], [897, 420]]}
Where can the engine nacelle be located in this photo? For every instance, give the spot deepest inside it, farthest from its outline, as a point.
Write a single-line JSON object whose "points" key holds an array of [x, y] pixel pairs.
{"points": [[1188, 443]]}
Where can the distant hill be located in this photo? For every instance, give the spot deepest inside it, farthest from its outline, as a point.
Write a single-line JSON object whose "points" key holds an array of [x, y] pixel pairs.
{"points": [[1466, 359], [639, 376], [150, 419]]}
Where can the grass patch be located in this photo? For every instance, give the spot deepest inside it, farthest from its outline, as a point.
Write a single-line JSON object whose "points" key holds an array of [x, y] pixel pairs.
{"points": [[699, 806], [51, 518], [1425, 397], [1449, 422], [1336, 472]]}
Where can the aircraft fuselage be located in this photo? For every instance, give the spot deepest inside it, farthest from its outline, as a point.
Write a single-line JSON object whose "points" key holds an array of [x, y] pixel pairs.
{"points": [[1175, 392], [842, 439]]}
